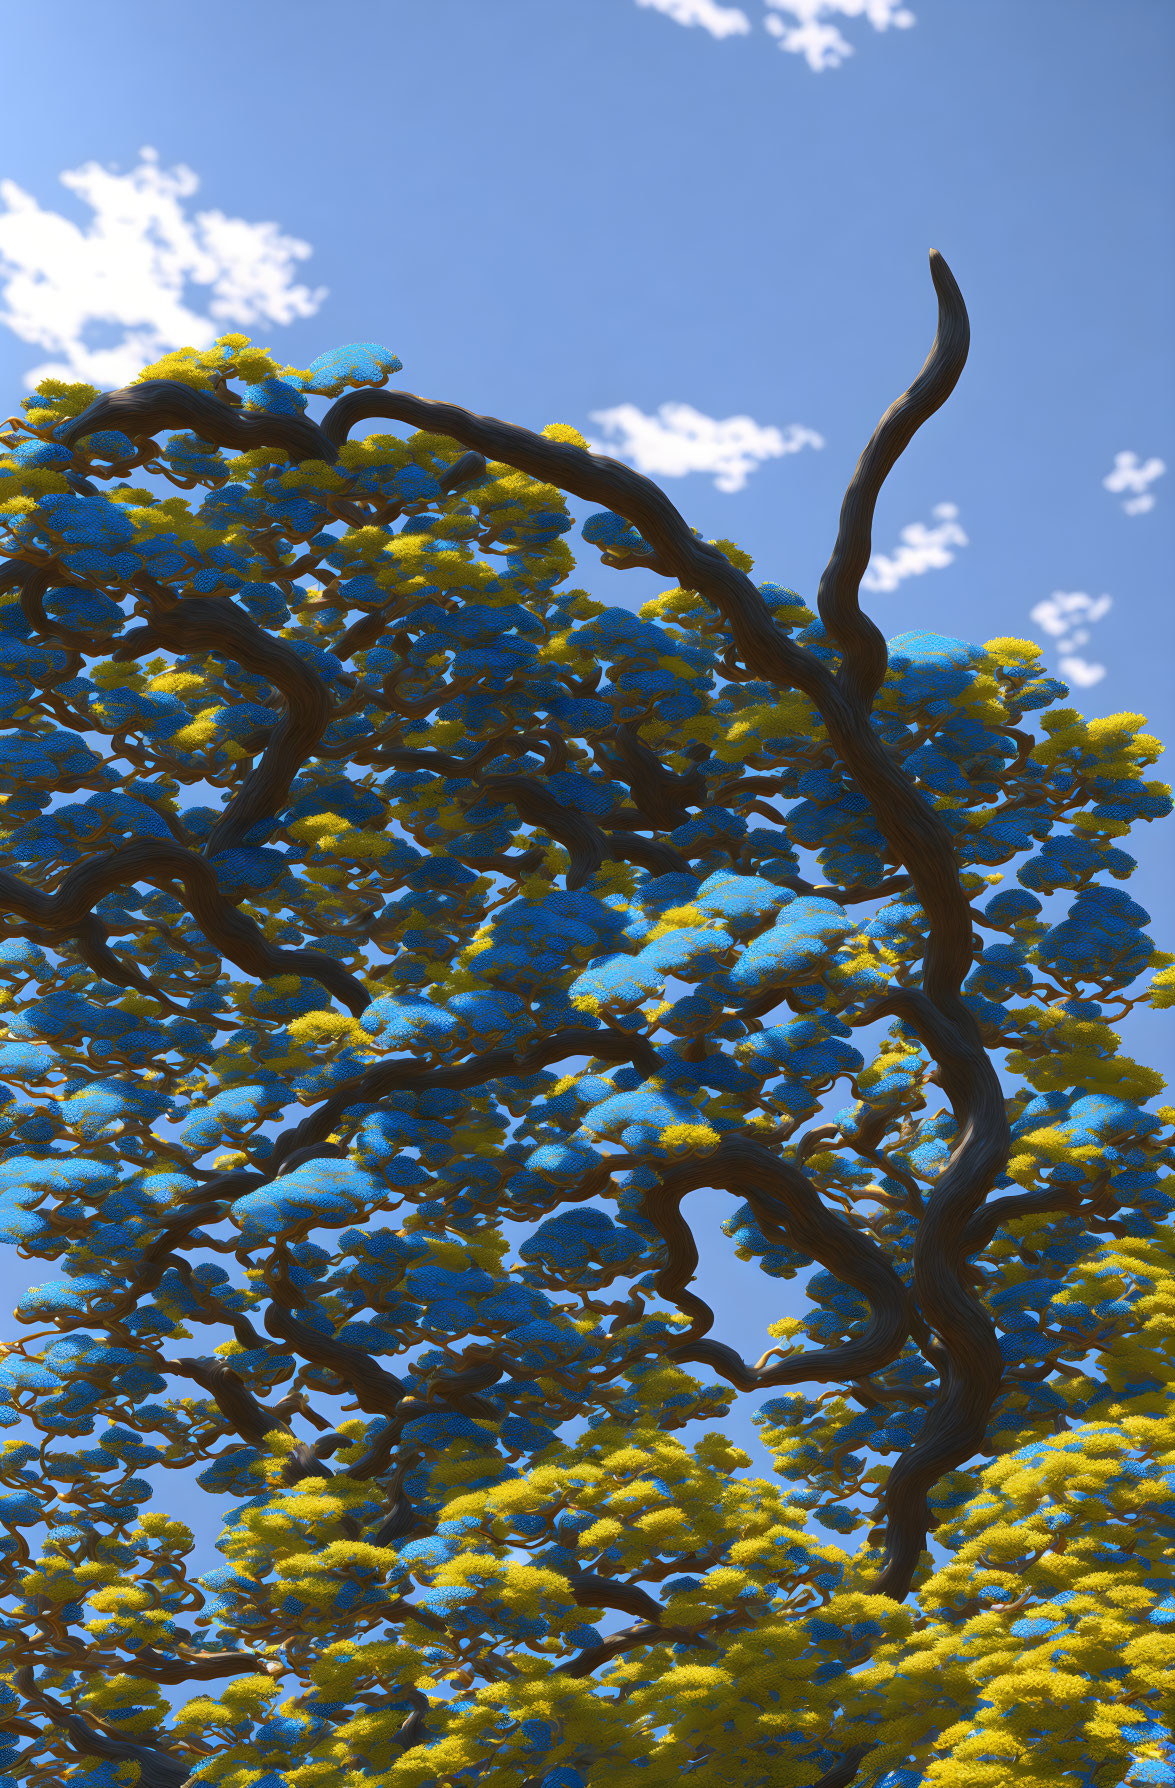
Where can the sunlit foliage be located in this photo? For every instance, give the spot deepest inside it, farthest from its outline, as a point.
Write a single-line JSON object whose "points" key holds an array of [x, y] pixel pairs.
{"points": [[395, 936]]}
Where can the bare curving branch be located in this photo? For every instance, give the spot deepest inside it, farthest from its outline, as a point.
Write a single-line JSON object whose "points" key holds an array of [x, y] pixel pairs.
{"points": [[788, 1207], [916, 835], [162, 862], [236, 1402], [403, 1073], [843, 1773], [90, 940], [139, 410], [988, 1217], [376, 1391], [218, 625], [647, 853], [577, 832], [156, 1768], [661, 795], [861, 642], [956, 1422], [644, 1632], [31, 583]]}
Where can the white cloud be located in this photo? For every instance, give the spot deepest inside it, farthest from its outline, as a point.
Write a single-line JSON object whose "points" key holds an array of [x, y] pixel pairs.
{"points": [[808, 30], [719, 21], [1080, 671], [821, 43], [105, 299], [1131, 474], [679, 439], [1068, 615], [922, 549]]}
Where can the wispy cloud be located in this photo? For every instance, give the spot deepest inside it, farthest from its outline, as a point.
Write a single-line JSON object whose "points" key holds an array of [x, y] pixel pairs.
{"points": [[1068, 615], [813, 35], [922, 549], [719, 21], [1133, 476], [807, 28], [679, 439], [142, 277]]}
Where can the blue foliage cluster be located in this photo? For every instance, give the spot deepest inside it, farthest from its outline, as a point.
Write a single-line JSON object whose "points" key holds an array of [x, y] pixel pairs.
{"points": [[396, 937]]}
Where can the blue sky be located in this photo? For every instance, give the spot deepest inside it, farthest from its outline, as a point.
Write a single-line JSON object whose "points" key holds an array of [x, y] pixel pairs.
{"points": [[557, 209]]}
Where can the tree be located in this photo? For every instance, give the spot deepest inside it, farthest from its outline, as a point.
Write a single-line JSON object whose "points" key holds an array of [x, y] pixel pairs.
{"points": [[549, 913]]}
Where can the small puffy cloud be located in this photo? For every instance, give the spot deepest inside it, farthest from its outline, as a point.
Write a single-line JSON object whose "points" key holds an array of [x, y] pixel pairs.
{"points": [[809, 29], [719, 21], [1130, 479], [1068, 615], [922, 549], [679, 439], [1081, 671], [142, 277]]}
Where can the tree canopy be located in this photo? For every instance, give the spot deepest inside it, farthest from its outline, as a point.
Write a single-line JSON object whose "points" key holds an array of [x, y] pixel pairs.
{"points": [[395, 937]]}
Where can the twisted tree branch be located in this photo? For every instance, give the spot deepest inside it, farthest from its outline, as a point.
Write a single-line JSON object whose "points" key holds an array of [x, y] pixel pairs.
{"points": [[787, 1205], [861, 642], [915, 833], [161, 862], [138, 411]]}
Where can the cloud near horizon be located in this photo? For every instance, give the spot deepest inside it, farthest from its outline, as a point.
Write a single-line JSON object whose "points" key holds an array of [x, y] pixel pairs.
{"points": [[107, 298], [922, 549], [808, 30], [1131, 475], [680, 439], [1068, 615]]}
